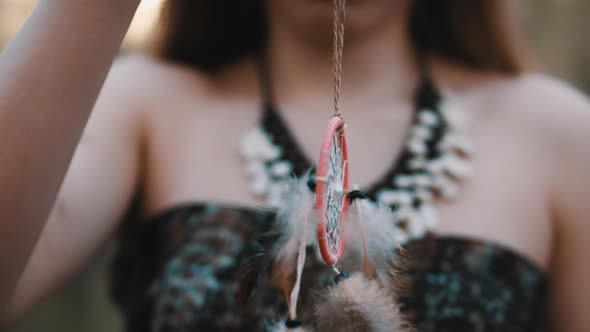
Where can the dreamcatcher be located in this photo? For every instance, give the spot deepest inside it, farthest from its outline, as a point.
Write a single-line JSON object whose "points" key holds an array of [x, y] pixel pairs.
{"points": [[352, 236]]}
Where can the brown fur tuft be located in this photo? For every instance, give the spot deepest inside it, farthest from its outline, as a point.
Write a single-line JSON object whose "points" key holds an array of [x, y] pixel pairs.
{"points": [[359, 304]]}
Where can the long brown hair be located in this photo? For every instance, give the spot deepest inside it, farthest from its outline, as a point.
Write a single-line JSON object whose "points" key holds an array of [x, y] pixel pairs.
{"points": [[209, 34]]}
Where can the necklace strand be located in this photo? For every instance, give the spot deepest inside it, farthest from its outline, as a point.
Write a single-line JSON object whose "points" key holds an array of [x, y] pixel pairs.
{"points": [[435, 158]]}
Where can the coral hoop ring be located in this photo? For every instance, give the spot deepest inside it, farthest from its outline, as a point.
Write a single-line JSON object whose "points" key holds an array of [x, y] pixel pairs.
{"points": [[332, 186]]}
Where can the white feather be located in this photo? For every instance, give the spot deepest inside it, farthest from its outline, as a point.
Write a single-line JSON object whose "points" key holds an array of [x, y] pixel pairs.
{"points": [[296, 219], [381, 234], [279, 326]]}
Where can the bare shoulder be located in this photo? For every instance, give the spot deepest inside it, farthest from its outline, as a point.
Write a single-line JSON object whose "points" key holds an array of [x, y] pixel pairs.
{"points": [[537, 103], [142, 90], [512, 96], [121, 103], [193, 123], [153, 81], [537, 92], [140, 77], [555, 109], [547, 112], [553, 118]]}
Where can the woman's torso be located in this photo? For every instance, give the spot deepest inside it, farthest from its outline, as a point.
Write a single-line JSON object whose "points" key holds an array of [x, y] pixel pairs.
{"points": [[186, 268], [194, 124]]}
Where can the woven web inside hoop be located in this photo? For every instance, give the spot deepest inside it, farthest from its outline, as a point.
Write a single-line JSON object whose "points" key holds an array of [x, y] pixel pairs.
{"points": [[334, 192]]}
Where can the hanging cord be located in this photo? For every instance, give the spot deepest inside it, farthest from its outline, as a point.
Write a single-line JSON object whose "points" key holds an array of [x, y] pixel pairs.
{"points": [[357, 197], [339, 18], [366, 265]]}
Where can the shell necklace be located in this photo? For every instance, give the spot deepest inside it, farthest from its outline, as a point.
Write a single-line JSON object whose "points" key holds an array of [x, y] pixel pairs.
{"points": [[435, 157]]}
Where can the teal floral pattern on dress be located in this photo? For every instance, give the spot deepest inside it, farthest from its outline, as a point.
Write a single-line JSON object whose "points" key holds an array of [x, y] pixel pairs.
{"points": [[455, 284], [177, 272]]}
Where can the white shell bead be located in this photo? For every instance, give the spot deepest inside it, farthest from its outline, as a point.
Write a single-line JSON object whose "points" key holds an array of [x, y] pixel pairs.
{"points": [[422, 180], [447, 187], [453, 113], [416, 225], [435, 166], [457, 167], [428, 117], [421, 132], [390, 197], [260, 184], [417, 163], [450, 191], [255, 168], [403, 181], [425, 195], [405, 198], [257, 146], [281, 168], [253, 137], [439, 181], [405, 214], [428, 214], [248, 150], [387, 197], [416, 146], [454, 141], [269, 152]]}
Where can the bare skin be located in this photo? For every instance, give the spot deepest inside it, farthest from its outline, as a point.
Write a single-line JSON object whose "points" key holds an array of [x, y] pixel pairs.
{"points": [[50, 76], [180, 129]]}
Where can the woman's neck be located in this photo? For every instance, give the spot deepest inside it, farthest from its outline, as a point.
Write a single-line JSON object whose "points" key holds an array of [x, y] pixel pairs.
{"points": [[380, 64]]}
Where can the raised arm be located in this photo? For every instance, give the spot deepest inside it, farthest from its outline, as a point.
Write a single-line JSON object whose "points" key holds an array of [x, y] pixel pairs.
{"points": [[50, 75]]}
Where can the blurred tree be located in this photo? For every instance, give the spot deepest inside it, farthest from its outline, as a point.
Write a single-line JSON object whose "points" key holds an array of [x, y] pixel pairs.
{"points": [[557, 29]]}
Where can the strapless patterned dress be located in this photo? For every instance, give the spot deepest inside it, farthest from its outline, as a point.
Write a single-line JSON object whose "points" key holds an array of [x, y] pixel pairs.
{"points": [[176, 272]]}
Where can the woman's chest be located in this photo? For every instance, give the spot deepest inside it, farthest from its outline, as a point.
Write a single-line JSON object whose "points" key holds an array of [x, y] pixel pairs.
{"points": [[195, 157]]}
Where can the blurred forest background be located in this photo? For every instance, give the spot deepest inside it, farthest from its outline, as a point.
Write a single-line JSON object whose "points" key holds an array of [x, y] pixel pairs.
{"points": [[557, 33]]}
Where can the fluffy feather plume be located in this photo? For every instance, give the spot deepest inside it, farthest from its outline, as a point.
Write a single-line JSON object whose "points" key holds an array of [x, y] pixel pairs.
{"points": [[365, 302], [279, 326], [359, 304], [378, 226], [296, 223], [274, 261], [295, 220]]}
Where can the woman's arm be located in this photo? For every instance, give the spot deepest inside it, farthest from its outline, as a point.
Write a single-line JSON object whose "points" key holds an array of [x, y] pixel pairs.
{"points": [[570, 270], [50, 75], [99, 185]]}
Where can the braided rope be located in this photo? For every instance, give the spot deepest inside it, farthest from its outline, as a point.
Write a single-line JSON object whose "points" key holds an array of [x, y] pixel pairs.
{"points": [[339, 18]]}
